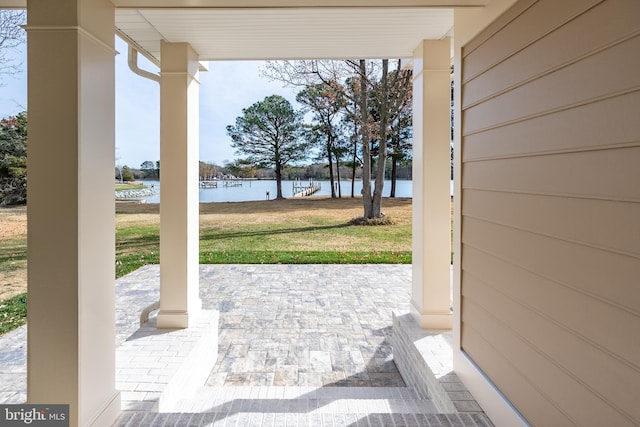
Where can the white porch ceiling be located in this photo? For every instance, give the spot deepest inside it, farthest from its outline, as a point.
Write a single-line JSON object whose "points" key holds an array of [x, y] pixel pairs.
{"points": [[285, 29], [287, 33]]}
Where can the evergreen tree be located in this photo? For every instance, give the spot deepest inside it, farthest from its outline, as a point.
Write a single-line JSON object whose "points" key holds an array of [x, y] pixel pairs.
{"points": [[268, 134], [13, 160]]}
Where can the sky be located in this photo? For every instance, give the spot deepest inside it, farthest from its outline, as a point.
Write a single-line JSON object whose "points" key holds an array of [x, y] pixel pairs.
{"points": [[225, 90]]}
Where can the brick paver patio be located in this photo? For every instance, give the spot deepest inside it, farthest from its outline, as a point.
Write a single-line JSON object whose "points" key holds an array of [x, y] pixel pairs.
{"points": [[298, 345]]}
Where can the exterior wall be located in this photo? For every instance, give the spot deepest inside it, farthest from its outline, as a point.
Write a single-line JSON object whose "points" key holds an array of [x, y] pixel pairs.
{"points": [[550, 209]]}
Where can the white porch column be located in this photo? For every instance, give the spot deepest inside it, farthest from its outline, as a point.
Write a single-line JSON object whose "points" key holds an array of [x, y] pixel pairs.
{"points": [[430, 298], [71, 220], [179, 231]]}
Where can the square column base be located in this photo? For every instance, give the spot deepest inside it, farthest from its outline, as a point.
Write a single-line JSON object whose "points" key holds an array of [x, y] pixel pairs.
{"points": [[432, 320], [168, 319]]}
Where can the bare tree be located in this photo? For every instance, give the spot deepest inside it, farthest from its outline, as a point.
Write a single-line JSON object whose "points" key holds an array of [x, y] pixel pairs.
{"points": [[325, 102], [384, 102], [12, 36], [393, 95], [400, 143]]}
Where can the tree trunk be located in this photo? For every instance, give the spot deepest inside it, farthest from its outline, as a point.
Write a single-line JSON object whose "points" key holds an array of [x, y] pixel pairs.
{"points": [[366, 144], [376, 208], [279, 180], [338, 176], [353, 165], [331, 178], [394, 172]]}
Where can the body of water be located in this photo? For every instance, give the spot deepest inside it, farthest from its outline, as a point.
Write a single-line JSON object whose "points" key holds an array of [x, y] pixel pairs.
{"points": [[251, 190]]}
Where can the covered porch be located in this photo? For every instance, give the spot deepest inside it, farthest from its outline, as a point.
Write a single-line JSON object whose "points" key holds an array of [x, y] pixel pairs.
{"points": [[71, 129]]}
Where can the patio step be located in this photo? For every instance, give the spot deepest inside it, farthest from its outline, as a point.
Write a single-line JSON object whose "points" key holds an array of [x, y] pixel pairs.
{"points": [[303, 406], [288, 419], [338, 400]]}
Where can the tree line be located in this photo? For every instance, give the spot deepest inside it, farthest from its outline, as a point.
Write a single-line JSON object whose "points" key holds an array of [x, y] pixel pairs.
{"points": [[236, 169], [318, 171], [147, 170]]}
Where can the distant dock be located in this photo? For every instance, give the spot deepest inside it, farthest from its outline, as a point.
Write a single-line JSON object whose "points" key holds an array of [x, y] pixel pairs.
{"points": [[301, 189], [208, 184], [220, 183]]}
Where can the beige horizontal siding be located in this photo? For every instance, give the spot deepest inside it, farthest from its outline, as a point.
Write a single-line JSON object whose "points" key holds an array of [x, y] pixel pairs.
{"points": [[551, 209], [611, 123], [561, 89], [607, 174], [548, 298], [562, 218], [537, 19], [579, 404], [510, 379], [552, 52], [602, 274], [571, 354]]}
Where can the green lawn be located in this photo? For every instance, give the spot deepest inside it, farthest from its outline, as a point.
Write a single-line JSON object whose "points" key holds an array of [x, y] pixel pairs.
{"points": [[305, 236], [130, 186], [13, 313]]}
